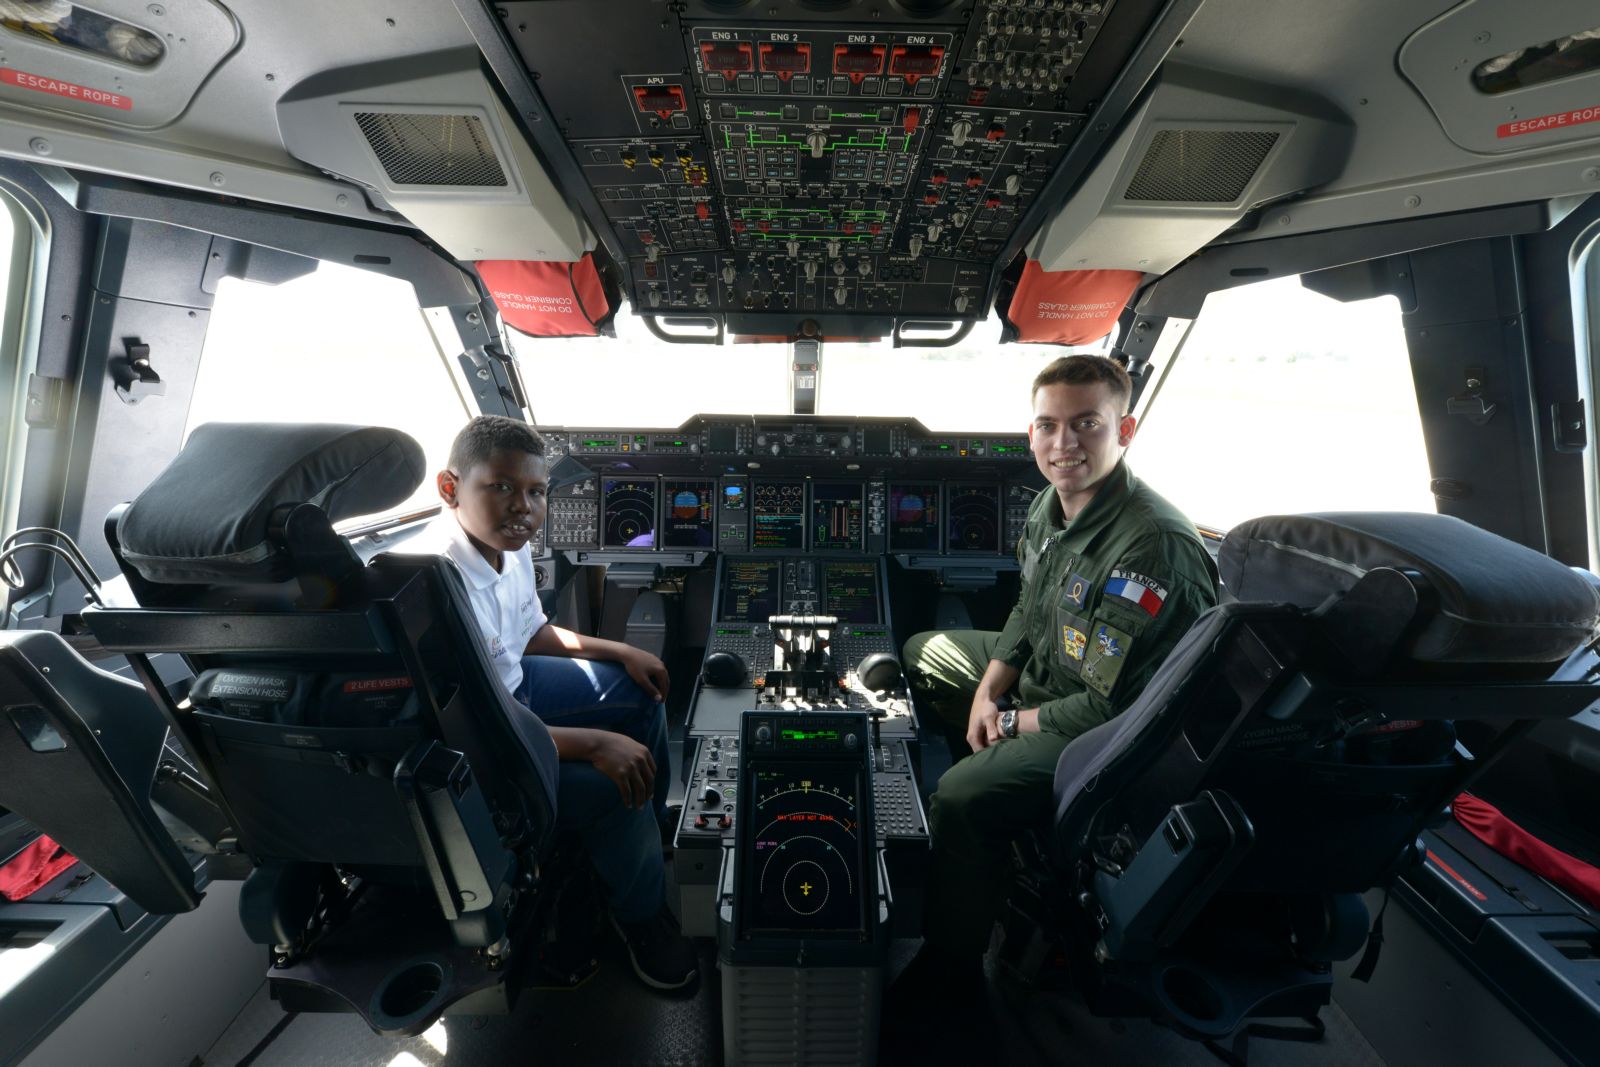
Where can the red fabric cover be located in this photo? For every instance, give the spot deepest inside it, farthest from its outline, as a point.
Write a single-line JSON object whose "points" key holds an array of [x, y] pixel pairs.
{"points": [[1069, 307], [33, 867], [547, 299], [1485, 822]]}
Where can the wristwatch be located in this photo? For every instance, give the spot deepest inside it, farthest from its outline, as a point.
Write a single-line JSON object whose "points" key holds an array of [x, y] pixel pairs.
{"points": [[1008, 723]]}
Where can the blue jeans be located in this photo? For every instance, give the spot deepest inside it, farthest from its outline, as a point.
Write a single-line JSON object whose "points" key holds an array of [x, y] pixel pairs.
{"points": [[624, 843]]}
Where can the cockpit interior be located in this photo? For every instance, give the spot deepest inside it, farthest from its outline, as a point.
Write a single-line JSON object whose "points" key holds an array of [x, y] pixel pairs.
{"points": [[772, 279]]}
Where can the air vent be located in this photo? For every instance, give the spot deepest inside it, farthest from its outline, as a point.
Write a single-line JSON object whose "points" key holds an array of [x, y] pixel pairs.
{"points": [[432, 149], [1200, 166]]}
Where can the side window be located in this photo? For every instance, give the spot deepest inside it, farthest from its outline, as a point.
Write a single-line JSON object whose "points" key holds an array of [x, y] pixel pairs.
{"points": [[1283, 400], [338, 345]]}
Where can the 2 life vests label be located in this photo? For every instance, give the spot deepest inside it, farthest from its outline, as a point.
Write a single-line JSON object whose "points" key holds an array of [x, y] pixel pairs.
{"points": [[1576, 117], [41, 84]]}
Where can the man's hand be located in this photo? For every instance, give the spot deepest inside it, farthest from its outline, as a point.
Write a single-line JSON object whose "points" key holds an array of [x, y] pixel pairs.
{"points": [[648, 672], [983, 723], [627, 763]]}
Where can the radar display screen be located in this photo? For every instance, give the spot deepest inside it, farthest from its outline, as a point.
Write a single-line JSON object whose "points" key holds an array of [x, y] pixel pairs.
{"points": [[914, 518], [780, 515], [630, 512], [974, 518], [836, 515], [751, 590], [850, 590], [686, 518], [804, 871]]}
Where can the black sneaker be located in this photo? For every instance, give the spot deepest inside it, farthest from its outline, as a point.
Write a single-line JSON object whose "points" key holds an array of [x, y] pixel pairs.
{"points": [[661, 956]]}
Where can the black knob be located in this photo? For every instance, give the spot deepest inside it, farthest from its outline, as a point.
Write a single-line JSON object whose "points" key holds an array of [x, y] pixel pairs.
{"points": [[724, 670], [710, 796], [878, 670]]}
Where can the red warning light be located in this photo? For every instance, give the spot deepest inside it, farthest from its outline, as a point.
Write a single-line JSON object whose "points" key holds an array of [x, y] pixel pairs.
{"points": [[858, 60], [784, 59], [915, 62], [702, 211], [662, 100], [728, 58]]}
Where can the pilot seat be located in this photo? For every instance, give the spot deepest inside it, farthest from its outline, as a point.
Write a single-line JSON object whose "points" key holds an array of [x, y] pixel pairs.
{"points": [[1212, 844], [343, 719]]}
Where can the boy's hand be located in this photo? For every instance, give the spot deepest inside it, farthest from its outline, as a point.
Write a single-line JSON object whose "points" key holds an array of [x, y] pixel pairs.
{"points": [[627, 763], [648, 672]]}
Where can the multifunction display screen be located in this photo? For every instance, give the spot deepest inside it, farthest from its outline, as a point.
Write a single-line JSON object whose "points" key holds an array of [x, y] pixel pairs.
{"points": [[686, 520], [836, 515], [974, 518], [850, 591], [914, 517], [779, 515], [752, 590], [630, 512], [804, 871]]}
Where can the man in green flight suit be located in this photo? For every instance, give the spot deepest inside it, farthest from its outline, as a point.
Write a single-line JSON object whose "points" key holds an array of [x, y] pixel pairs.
{"points": [[1112, 577]]}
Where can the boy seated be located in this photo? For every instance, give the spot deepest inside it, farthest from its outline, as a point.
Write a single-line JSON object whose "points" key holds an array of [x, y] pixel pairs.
{"points": [[601, 700]]}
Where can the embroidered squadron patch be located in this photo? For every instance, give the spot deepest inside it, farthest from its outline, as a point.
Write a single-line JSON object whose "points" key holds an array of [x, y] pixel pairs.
{"points": [[1074, 641], [1075, 592], [1137, 589], [1107, 650]]}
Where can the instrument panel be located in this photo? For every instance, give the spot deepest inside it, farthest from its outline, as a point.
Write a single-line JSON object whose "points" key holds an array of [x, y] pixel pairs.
{"points": [[769, 159], [788, 485]]}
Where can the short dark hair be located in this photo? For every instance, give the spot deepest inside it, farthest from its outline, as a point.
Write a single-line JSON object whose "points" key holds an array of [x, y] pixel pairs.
{"points": [[488, 434], [1087, 370]]}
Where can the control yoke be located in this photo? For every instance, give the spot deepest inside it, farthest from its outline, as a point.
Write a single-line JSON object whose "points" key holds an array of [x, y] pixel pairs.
{"points": [[802, 661]]}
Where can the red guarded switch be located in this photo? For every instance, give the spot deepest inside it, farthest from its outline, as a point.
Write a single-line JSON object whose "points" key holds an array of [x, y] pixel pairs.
{"points": [[913, 119], [702, 211]]}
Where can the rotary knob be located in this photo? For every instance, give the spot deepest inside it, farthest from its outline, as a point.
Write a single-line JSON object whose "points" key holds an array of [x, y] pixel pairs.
{"points": [[816, 142], [840, 295], [729, 274], [962, 128]]}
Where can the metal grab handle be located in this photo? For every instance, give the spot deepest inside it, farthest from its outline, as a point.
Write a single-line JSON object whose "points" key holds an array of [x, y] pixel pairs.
{"points": [[11, 548]]}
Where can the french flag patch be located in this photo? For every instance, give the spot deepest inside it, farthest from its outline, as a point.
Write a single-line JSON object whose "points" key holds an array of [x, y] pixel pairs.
{"points": [[1138, 589]]}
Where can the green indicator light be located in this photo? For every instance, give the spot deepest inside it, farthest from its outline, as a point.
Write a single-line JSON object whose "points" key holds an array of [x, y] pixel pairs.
{"points": [[600, 443], [809, 735], [944, 448]]}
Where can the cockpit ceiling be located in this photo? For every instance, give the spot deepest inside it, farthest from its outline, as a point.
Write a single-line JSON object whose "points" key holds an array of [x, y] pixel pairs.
{"points": [[853, 159]]}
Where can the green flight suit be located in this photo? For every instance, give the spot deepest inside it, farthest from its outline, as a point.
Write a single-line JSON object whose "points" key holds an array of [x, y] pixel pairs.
{"points": [[1104, 599]]}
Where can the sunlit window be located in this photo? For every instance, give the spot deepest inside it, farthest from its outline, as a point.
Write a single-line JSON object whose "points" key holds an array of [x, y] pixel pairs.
{"points": [[337, 345], [1285, 401], [637, 379]]}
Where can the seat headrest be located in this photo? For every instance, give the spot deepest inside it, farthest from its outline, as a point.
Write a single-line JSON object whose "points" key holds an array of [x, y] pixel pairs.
{"points": [[204, 519], [1497, 601]]}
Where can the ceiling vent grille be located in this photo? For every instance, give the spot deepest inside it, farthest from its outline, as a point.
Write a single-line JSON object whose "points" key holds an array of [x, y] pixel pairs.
{"points": [[432, 149], [1200, 166]]}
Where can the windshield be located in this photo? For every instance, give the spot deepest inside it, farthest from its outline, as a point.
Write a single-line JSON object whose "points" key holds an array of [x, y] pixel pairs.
{"points": [[636, 379]]}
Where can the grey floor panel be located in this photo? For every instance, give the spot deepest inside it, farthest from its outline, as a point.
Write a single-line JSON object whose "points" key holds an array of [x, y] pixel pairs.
{"points": [[612, 1020]]}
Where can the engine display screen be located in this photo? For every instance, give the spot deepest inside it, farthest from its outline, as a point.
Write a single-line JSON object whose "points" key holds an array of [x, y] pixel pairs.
{"points": [[850, 590], [836, 515], [974, 518], [780, 515], [630, 512], [752, 590], [686, 516], [914, 517], [804, 871]]}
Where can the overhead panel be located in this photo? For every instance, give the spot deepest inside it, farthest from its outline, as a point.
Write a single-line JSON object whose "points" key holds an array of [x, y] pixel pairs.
{"points": [[766, 160], [1198, 154], [1510, 78], [120, 62], [430, 135]]}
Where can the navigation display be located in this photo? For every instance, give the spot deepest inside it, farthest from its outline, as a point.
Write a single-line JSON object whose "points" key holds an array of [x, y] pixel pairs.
{"points": [[914, 517], [974, 518], [780, 515], [751, 590], [630, 512], [804, 871], [686, 518], [836, 515], [850, 590]]}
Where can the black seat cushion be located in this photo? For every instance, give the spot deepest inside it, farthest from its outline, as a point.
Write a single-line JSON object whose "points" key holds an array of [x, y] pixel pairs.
{"points": [[204, 519], [1498, 601]]}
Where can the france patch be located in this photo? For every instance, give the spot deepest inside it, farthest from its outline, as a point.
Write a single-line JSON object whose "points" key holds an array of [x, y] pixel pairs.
{"points": [[1137, 589]]}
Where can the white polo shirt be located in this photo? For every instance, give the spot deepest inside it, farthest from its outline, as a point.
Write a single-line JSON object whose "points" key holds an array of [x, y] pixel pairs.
{"points": [[506, 602]]}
